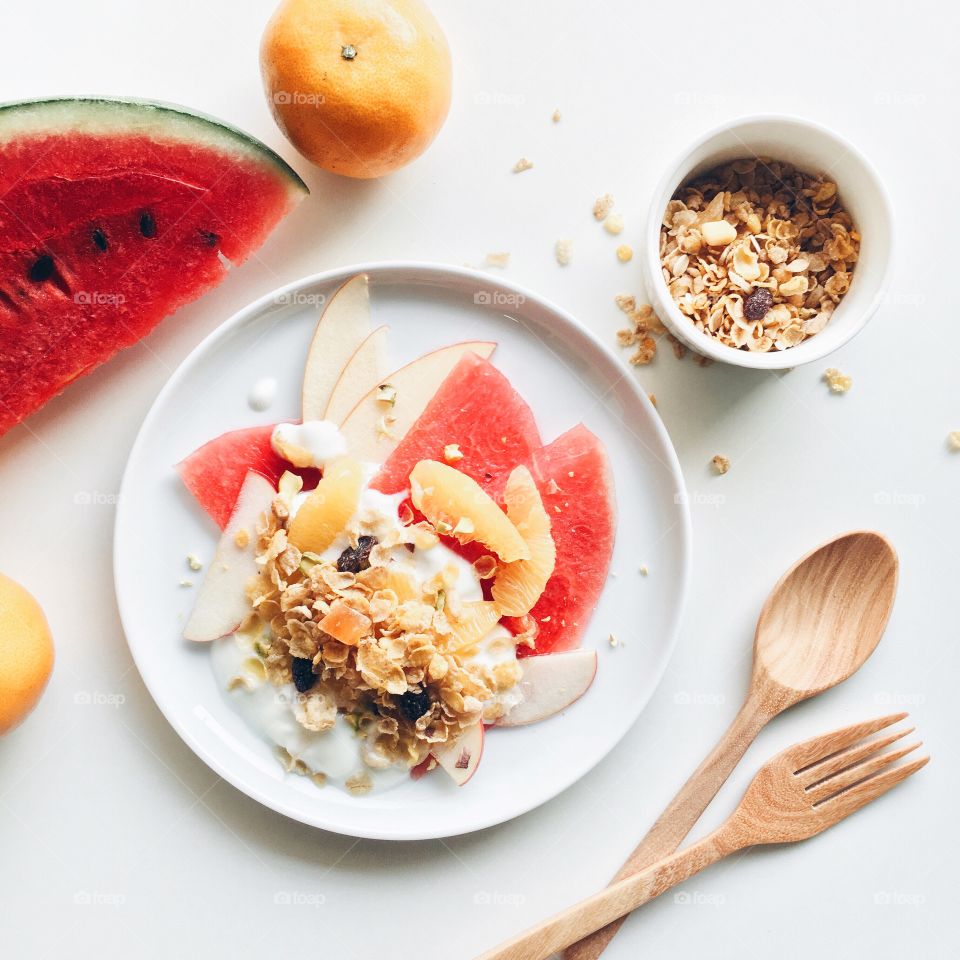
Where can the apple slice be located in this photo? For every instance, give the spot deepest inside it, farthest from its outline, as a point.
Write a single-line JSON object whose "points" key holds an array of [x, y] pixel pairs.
{"points": [[461, 758], [382, 418], [342, 327], [363, 371], [550, 684], [222, 603]]}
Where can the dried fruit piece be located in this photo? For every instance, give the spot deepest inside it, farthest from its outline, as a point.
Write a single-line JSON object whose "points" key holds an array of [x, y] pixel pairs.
{"points": [[755, 307], [446, 496], [328, 508], [414, 704], [303, 676], [355, 559], [345, 624], [518, 585]]}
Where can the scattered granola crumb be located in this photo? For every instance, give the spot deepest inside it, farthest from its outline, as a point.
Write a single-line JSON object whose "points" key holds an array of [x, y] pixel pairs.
{"points": [[614, 223], [701, 361], [602, 207], [721, 464], [644, 570], [193, 562], [627, 302], [624, 253], [953, 439], [452, 453], [497, 260], [186, 583], [652, 398], [556, 116], [614, 642], [242, 539], [645, 352], [522, 164], [563, 251], [359, 784], [387, 393], [837, 382], [679, 350]]}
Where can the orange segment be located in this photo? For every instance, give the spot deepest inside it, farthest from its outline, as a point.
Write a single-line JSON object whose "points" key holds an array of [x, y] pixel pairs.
{"points": [[518, 585], [328, 508], [455, 503], [476, 620]]}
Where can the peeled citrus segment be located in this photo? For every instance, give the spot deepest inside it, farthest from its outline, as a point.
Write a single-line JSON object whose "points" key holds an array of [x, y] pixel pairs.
{"points": [[402, 584], [328, 508], [519, 585], [455, 503], [476, 619]]}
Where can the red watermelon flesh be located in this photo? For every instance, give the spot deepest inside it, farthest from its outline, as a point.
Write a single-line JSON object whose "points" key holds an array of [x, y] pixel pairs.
{"points": [[476, 408], [112, 215], [576, 486], [215, 472]]}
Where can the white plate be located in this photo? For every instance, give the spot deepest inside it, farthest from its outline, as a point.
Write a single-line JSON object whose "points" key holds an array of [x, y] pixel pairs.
{"points": [[567, 376]]}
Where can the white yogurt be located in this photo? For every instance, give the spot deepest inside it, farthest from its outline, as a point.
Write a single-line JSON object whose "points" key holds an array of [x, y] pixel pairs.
{"points": [[262, 394], [269, 710], [321, 439]]}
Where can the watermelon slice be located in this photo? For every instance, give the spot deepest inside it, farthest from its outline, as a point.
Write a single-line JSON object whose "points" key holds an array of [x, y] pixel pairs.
{"points": [[477, 409], [576, 485], [112, 215], [215, 472]]}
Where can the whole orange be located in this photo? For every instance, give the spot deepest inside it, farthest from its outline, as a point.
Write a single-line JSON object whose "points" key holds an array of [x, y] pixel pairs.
{"points": [[360, 87], [26, 653]]}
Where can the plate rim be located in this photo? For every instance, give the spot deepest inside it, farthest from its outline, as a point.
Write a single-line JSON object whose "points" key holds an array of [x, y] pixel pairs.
{"points": [[444, 274]]}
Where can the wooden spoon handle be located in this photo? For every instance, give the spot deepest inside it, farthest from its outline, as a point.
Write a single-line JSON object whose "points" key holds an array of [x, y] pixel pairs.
{"points": [[616, 900], [683, 812]]}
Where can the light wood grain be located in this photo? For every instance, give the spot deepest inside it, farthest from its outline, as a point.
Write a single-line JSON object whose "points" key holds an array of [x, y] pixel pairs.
{"points": [[821, 621], [799, 793]]}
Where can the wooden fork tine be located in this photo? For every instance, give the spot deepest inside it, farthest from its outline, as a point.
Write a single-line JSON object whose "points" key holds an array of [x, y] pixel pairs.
{"points": [[813, 751], [852, 775], [840, 761], [860, 795]]}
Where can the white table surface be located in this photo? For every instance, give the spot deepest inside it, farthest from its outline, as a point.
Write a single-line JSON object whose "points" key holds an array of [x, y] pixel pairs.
{"points": [[115, 841]]}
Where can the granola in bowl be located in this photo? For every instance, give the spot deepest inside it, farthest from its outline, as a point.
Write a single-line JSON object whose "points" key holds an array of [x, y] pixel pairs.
{"points": [[757, 254]]}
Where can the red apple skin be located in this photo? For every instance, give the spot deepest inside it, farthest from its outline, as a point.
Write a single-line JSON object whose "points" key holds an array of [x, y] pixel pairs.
{"points": [[450, 770]]}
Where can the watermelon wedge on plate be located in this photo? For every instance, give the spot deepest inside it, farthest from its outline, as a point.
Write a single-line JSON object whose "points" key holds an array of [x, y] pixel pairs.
{"points": [[114, 213]]}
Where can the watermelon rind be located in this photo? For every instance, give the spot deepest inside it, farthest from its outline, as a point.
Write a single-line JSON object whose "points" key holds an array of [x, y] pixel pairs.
{"points": [[153, 118]]}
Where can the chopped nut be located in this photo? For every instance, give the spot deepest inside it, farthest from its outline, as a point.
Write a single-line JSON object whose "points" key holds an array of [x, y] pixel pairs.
{"points": [[186, 583], [522, 164], [556, 116], [721, 464], [837, 382], [193, 562], [387, 393], [953, 439], [624, 253], [614, 223], [644, 570], [614, 642], [497, 260], [452, 453], [602, 207], [718, 233], [563, 252]]}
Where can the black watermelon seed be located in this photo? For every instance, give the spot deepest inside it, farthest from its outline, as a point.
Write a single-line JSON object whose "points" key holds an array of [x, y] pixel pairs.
{"points": [[42, 269], [210, 238], [100, 239], [303, 676], [148, 226], [414, 704]]}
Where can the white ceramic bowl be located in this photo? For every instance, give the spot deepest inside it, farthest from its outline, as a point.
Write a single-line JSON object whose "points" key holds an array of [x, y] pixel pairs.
{"points": [[810, 148]]}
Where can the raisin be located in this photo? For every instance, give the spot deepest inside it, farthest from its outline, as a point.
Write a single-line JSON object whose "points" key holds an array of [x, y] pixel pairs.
{"points": [[148, 226], [355, 559], [755, 307], [42, 269], [414, 704], [303, 676], [100, 240], [210, 238]]}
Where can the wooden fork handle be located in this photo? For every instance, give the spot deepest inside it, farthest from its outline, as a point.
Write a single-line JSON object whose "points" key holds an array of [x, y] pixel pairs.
{"points": [[615, 901], [684, 811]]}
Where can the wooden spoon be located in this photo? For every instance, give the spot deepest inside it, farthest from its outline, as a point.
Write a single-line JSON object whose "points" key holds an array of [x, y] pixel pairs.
{"points": [[821, 621]]}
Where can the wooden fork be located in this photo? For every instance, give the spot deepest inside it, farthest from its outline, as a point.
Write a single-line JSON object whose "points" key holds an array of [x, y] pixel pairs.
{"points": [[797, 794]]}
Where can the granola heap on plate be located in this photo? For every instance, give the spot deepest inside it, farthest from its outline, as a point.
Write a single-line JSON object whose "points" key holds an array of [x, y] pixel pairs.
{"points": [[757, 253]]}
